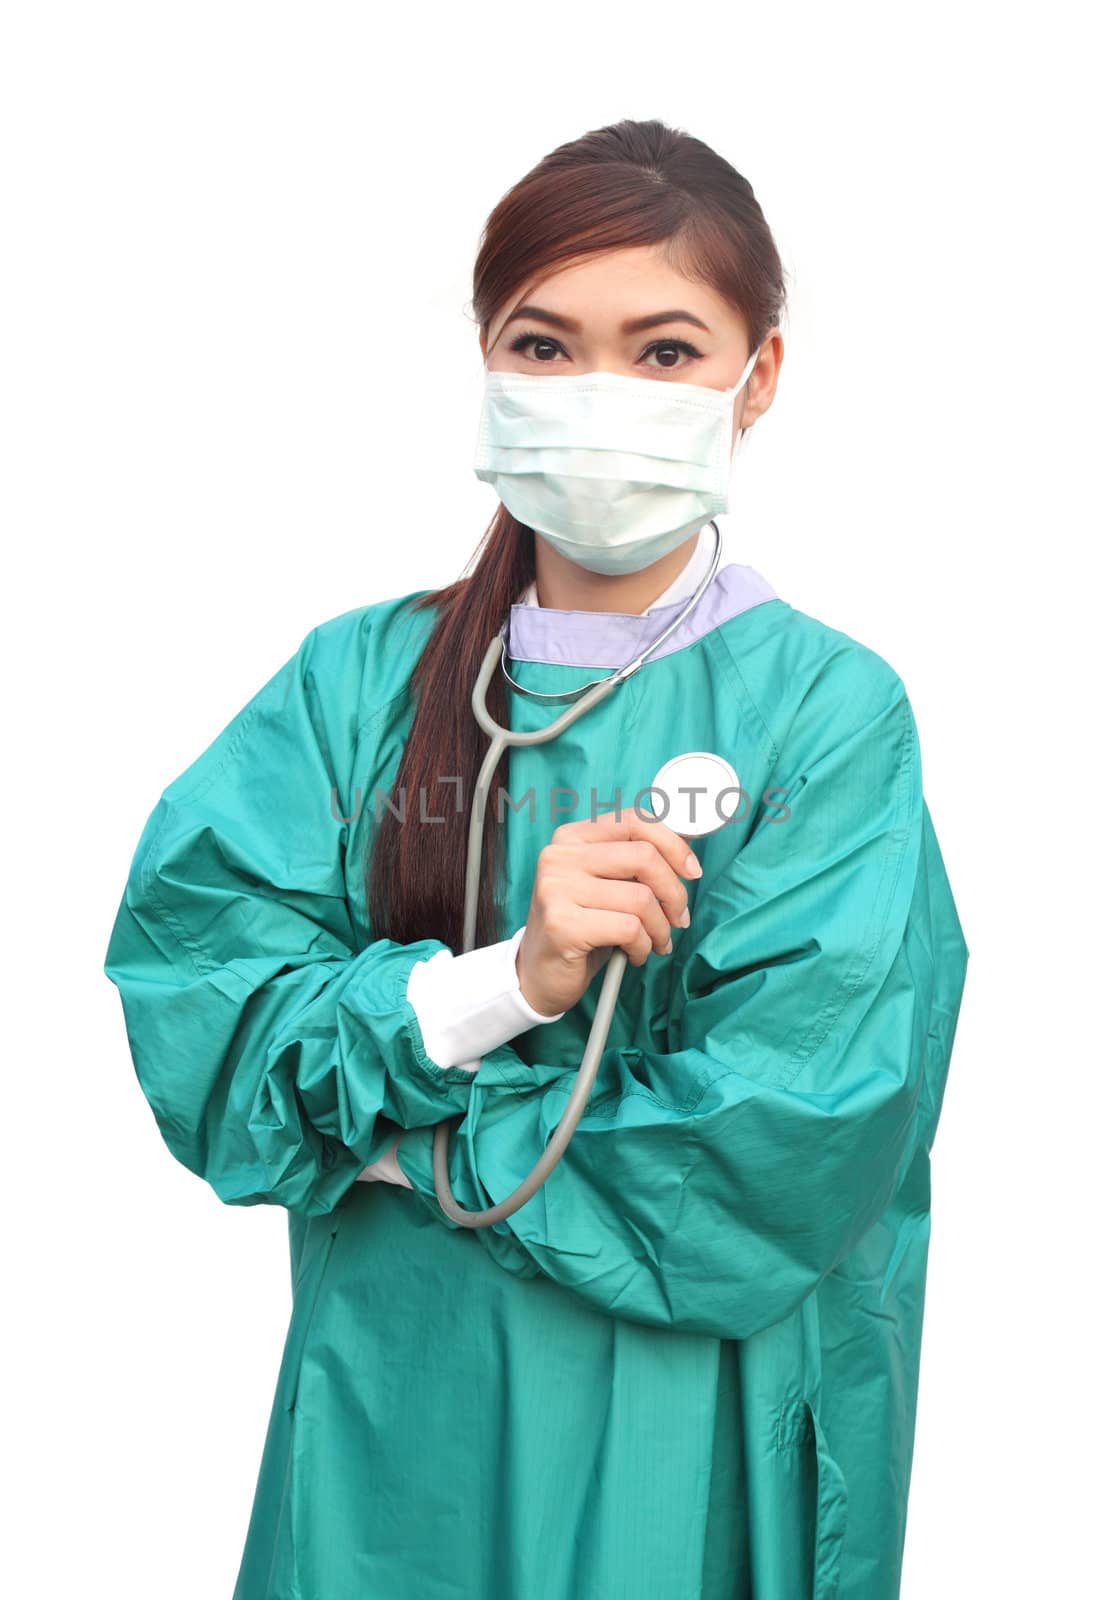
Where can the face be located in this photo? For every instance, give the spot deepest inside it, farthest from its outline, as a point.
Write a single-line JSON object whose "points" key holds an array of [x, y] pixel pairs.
{"points": [[628, 311]]}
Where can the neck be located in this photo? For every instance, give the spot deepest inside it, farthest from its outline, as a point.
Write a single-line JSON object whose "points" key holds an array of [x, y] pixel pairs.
{"points": [[566, 586]]}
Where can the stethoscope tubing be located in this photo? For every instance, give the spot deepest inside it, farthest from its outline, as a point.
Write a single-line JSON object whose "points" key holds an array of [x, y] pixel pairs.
{"points": [[501, 739]]}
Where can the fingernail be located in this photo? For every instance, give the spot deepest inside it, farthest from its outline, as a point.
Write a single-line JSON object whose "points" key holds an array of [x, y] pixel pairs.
{"points": [[685, 917], [692, 865], [668, 949]]}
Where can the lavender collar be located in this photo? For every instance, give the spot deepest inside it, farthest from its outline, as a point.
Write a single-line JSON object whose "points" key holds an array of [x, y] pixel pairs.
{"points": [[611, 638]]}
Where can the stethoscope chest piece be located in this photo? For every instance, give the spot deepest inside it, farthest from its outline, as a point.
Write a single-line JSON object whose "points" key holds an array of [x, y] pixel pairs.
{"points": [[694, 793]]}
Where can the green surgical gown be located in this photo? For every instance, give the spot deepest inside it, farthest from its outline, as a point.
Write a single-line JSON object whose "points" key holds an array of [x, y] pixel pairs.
{"points": [[687, 1368]]}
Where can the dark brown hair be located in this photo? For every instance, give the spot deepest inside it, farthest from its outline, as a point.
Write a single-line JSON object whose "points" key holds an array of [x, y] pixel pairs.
{"points": [[631, 184]]}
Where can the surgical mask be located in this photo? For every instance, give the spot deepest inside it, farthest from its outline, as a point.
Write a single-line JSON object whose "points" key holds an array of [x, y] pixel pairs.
{"points": [[613, 471]]}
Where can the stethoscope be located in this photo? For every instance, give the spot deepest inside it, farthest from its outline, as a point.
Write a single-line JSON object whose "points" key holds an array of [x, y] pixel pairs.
{"points": [[674, 778]]}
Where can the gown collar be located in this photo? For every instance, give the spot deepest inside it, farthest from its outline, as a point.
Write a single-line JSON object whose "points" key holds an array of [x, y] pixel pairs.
{"points": [[611, 638]]}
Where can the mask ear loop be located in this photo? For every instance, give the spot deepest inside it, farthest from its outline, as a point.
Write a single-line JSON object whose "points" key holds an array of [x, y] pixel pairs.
{"points": [[744, 433], [747, 369]]}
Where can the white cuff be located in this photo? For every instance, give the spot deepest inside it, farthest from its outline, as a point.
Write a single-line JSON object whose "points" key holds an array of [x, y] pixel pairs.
{"points": [[471, 1003]]}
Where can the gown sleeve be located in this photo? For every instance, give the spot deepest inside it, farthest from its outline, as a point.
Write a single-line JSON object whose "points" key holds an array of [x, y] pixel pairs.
{"points": [[713, 1182], [270, 1041], [465, 1004]]}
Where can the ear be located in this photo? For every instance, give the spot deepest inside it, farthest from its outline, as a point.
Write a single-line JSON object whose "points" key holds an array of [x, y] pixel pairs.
{"points": [[775, 347]]}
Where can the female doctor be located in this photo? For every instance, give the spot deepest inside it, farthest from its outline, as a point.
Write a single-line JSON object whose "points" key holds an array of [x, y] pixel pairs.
{"points": [[686, 1367]]}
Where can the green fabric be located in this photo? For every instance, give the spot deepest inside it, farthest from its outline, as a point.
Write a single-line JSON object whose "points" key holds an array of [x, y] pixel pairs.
{"points": [[688, 1366]]}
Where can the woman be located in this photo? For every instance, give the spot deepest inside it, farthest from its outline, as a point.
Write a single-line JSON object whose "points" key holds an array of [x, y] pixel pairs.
{"points": [[687, 1366]]}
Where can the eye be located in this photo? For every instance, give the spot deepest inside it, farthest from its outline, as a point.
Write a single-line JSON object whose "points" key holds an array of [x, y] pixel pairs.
{"points": [[541, 342], [672, 353], [668, 346]]}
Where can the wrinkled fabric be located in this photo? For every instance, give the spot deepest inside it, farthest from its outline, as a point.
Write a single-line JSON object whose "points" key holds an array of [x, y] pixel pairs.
{"points": [[687, 1367]]}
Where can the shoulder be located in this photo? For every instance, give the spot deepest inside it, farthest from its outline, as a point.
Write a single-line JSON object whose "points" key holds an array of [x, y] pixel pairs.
{"points": [[351, 665], [339, 679], [833, 662], [394, 629], [800, 672]]}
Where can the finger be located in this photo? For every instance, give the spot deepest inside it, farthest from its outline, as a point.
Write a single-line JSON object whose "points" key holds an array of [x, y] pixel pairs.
{"points": [[614, 894], [628, 823], [640, 860], [623, 929]]}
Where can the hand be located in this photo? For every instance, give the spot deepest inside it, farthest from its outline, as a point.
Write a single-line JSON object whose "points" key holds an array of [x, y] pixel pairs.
{"points": [[611, 883]]}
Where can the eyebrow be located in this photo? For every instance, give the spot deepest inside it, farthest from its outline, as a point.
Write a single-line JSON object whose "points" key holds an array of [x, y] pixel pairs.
{"points": [[632, 325]]}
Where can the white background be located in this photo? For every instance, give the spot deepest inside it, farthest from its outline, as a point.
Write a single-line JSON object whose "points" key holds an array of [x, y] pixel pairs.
{"points": [[240, 391]]}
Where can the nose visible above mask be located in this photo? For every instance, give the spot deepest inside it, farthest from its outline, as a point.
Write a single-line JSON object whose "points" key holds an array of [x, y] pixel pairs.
{"points": [[613, 471]]}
